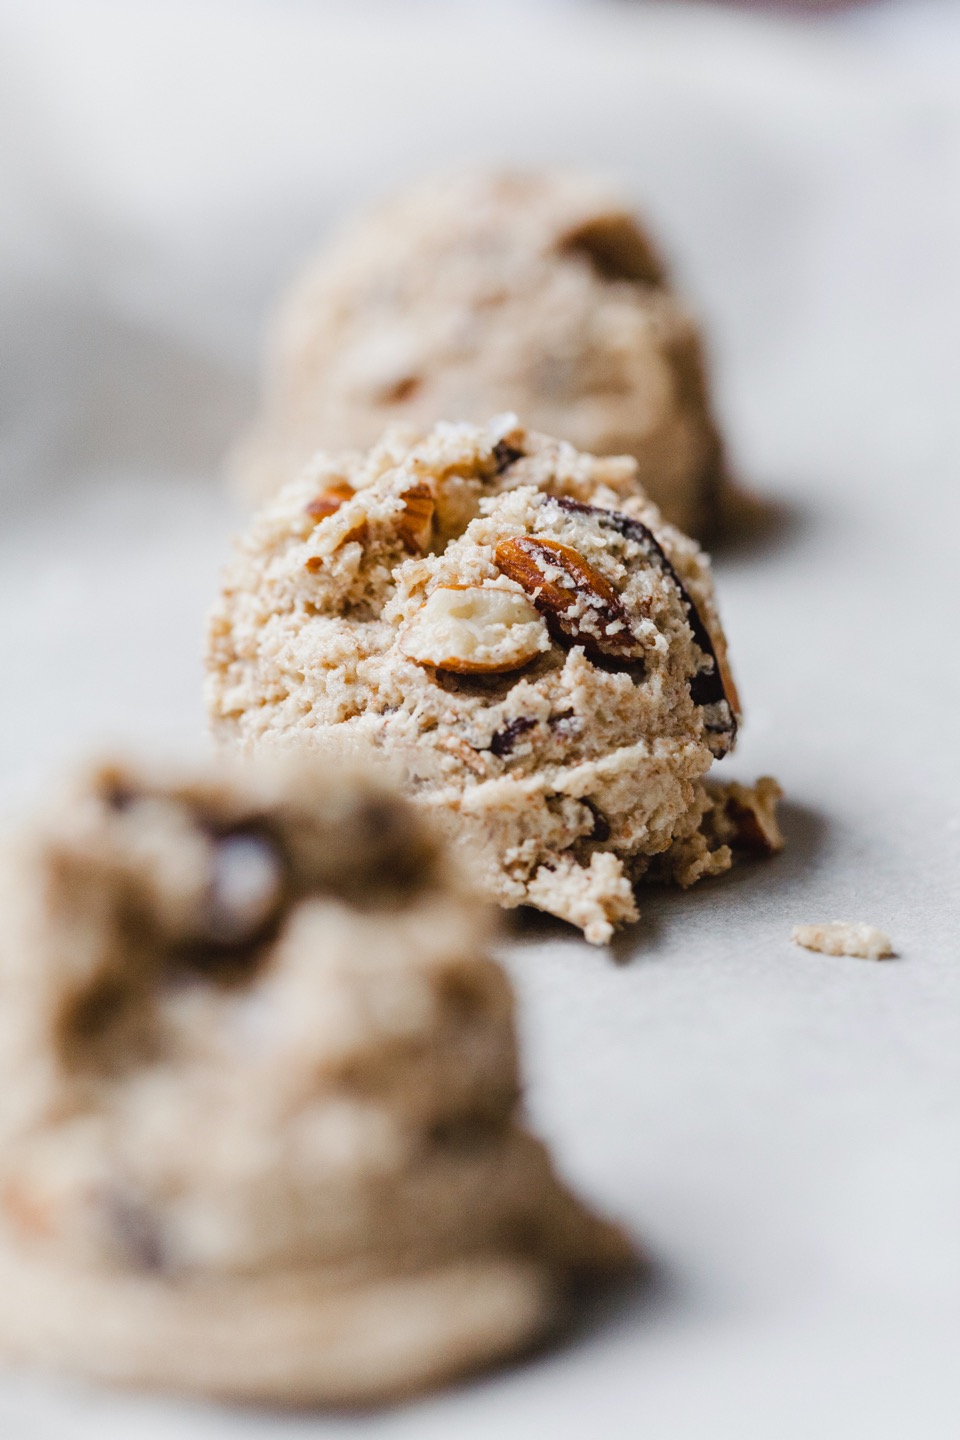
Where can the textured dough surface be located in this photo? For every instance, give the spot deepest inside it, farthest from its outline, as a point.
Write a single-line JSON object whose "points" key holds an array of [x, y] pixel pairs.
{"points": [[484, 292], [556, 777], [259, 1127]]}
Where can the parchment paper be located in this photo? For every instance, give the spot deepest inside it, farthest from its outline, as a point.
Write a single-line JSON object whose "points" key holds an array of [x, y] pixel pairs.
{"points": [[780, 1128]]}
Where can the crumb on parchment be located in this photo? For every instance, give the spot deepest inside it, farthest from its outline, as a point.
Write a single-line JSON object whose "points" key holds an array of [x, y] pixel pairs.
{"points": [[841, 937]]}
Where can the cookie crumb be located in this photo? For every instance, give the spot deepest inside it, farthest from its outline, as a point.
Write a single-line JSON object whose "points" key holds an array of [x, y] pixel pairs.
{"points": [[840, 937]]}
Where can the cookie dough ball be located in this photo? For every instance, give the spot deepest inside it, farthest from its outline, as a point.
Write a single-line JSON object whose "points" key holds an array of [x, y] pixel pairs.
{"points": [[259, 1134], [509, 621], [487, 292]]}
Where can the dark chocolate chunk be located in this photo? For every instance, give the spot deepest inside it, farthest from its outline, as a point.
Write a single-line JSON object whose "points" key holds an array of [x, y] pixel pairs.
{"points": [[585, 610], [505, 455], [503, 741]]}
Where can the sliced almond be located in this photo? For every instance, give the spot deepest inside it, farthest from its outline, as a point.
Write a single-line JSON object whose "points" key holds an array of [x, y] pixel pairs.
{"points": [[577, 601], [415, 525], [474, 630], [615, 247]]}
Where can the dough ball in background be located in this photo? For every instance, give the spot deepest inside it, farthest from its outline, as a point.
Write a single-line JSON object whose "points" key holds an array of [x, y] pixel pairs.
{"points": [[487, 291]]}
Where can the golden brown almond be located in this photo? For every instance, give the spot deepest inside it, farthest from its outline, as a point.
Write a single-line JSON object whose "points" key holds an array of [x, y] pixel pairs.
{"points": [[328, 502], [575, 599], [415, 525]]}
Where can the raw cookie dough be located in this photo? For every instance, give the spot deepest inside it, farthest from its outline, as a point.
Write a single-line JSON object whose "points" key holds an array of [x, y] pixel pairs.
{"points": [[489, 291], [259, 1130], [515, 624], [732, 821], [865, 942]]}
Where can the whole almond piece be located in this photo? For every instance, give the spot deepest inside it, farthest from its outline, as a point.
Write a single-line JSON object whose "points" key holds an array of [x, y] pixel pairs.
{"points": [[577, 602], [474, 630]]}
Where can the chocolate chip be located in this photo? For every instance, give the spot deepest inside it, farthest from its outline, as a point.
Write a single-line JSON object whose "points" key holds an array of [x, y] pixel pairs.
{"points": [[506, 455], [601, 825], [246, 887], [503, 741], [95, 1011]]}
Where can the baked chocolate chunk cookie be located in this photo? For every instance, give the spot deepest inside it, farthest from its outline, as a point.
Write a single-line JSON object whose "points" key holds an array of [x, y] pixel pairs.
{"points": [[259, 1130], [488, 291], [513, 623]]}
